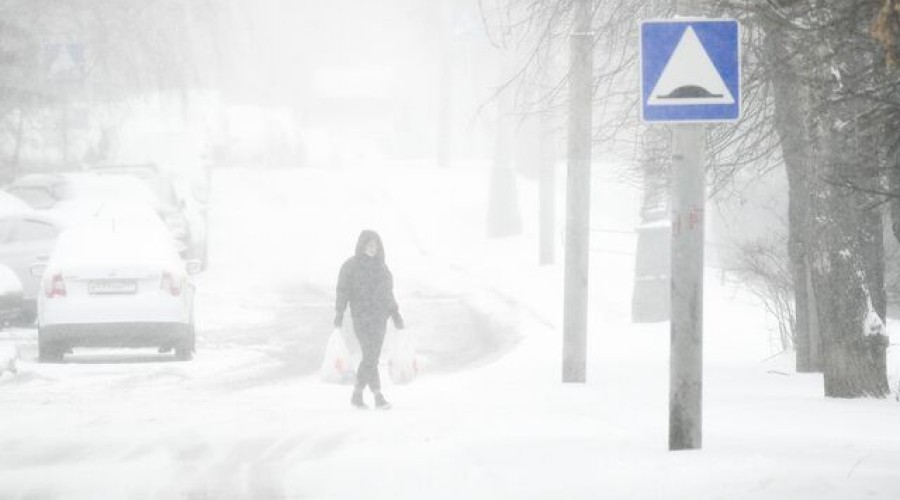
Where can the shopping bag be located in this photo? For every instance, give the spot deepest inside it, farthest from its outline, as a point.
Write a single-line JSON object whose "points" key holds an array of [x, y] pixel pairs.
{"points": [[337, 364], [403, 364]]}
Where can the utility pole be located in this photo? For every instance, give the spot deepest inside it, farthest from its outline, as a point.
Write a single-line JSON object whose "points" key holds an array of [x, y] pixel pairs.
{"points": [[578, 195]]}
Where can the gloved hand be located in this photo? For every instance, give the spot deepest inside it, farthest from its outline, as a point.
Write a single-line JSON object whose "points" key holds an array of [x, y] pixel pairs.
{"points": [[338, 320], [398, 321]]}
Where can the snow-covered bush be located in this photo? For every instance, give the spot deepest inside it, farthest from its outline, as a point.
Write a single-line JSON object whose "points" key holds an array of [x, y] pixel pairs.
{"points": [[765, 268]]}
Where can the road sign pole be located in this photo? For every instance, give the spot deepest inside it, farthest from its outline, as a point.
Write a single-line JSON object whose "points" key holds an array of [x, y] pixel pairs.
{"points": [[686, 356], [690, 74]]}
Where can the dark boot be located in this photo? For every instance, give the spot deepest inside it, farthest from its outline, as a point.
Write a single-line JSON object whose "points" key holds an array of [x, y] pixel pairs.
{"points": [[357, 399], [380, 402]]}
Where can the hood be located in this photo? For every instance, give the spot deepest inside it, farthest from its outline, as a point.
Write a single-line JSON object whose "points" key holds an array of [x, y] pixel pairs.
{"points": [[364, 238]]}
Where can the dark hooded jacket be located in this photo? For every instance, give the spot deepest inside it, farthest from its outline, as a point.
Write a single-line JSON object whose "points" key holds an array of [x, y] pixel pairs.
{"points": [[366, 284]]}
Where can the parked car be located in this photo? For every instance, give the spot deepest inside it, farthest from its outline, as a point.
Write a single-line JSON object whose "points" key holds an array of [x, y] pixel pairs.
{"points": [[74, 196], [189, 230], [27, 238], [115, 283], [10, 295], [12, 203], [39, 191], [50, 191]]}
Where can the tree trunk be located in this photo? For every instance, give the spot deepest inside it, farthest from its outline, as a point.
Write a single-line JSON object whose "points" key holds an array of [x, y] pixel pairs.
{"points": [[791, 110], [894, 187], [547, 192], [843, 249], [19, 142], [848, 288], [854, 359], [504, 218]]}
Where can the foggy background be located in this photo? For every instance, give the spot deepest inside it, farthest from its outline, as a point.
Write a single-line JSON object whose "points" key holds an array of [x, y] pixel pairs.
{"points": [[276, 82]]}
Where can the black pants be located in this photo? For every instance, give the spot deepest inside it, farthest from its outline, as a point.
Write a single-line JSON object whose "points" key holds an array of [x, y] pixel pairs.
{"points": [[370, 334]]}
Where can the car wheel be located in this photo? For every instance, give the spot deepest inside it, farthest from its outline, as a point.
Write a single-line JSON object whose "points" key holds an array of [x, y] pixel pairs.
{"points": [[185, 350], [48, 352]]}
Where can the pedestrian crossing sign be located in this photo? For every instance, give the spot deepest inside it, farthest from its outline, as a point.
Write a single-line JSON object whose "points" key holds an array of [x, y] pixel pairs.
{"points": [[690, 70]]}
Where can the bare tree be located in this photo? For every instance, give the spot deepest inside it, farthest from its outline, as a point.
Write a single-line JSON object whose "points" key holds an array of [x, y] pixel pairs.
{"points": [[819, 101], [828, 95]]}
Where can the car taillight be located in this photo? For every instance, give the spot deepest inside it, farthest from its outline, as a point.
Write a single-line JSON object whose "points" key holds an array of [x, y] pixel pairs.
{"points": [[170, 284], [56, 287]]}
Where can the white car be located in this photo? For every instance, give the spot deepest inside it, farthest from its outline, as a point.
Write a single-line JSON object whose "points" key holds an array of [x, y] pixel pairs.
{"points": [[73, 196], [116, 283], [27, 238], [12, 203]]}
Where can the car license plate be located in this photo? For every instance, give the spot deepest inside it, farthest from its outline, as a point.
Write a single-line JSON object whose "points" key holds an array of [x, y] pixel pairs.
{"points": [[109, 287]]}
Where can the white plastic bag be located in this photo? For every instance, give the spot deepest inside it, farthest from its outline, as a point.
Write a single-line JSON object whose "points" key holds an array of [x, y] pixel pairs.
{"points": [[402, 362], [337, 364]]}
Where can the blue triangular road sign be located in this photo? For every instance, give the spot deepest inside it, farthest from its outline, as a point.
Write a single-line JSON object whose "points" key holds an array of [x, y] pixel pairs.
{"points": [[690, 71]]}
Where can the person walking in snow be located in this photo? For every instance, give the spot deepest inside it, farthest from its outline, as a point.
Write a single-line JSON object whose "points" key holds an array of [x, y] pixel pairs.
{"points": [[365, 284]]}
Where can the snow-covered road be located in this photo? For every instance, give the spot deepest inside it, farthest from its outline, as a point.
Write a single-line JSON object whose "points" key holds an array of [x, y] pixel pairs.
{"points": [[172, 429], [487, 418]]}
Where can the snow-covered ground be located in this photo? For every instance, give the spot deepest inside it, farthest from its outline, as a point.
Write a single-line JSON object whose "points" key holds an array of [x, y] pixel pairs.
{"points": [[488, 416]]}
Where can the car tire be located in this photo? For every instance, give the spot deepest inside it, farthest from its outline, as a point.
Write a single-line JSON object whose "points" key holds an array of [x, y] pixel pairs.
{"points": [[48, 352], [185, 350]]}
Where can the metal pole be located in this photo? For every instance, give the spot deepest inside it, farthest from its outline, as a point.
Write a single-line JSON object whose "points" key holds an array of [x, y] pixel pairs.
{"points": [[578, 197], [686, 362]]}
